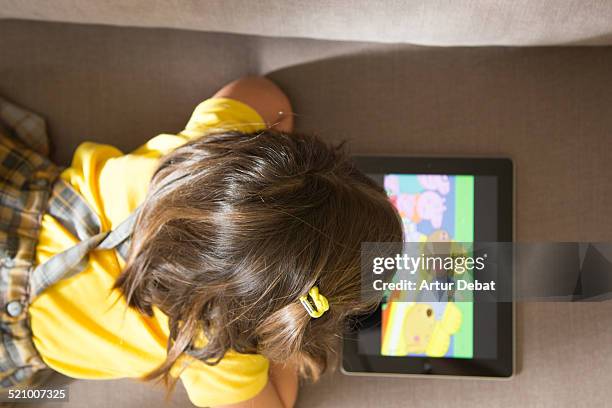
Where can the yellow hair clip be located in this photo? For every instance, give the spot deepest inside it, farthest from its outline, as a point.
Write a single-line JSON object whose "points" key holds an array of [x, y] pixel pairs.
{"points": [[321, 305]]}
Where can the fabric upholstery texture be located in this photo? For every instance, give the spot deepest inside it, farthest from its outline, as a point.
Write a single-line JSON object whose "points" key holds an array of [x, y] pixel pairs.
{"points": [[424, 22], [549, 109]]}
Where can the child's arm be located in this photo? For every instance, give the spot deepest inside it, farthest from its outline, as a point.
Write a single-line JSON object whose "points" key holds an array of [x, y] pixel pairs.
{"points": [[280, 392], [285, 380], [265, 97]]}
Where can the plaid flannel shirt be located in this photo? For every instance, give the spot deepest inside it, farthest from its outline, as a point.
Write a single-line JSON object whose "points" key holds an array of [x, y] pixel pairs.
{"points": [[29, 186]]}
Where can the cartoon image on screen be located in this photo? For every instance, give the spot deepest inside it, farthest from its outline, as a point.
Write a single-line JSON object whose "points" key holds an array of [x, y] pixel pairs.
{"points": [[433, 208]]}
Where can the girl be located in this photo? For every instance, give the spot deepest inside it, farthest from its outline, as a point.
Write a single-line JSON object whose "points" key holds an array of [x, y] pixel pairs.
{"points": [[226, 256]]}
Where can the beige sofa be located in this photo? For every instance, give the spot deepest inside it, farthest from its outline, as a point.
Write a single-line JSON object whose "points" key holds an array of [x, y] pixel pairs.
{"points": [[550, 109], [473, 22]]}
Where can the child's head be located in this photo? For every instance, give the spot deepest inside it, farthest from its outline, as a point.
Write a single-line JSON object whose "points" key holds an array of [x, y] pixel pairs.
{"points": [[237, 227]]}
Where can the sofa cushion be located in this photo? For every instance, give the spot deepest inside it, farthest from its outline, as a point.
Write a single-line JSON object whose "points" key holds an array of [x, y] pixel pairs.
{"points": [[474, 22]]}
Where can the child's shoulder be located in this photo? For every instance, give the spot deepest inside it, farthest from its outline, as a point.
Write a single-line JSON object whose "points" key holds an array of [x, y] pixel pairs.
{"points": [[237, 377]]}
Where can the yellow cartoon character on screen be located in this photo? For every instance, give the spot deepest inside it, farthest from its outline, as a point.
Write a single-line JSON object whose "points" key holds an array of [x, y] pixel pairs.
{"points": [[418, 331]]}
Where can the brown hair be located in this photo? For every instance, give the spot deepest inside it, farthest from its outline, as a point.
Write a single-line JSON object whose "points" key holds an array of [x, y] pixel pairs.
{"points": [[235, 228]]}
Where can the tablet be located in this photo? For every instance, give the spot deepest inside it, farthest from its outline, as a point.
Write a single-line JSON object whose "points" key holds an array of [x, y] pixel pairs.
{"points": [[456, 200]]}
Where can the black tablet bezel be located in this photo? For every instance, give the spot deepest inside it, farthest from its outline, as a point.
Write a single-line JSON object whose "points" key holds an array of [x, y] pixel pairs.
{"points": [[501, 367]]}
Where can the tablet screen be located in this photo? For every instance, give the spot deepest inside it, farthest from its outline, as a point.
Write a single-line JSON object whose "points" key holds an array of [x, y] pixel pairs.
{"points": [[432, 208], [438, 207], [467, 204]]}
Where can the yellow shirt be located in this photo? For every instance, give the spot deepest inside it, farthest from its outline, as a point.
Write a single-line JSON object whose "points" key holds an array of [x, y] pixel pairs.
{"points": [[81, 326]]}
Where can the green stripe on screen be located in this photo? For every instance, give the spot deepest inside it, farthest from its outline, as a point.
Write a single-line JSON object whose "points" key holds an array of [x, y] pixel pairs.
{"points": [[464, 339], [464, 208], [464, 232]]}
